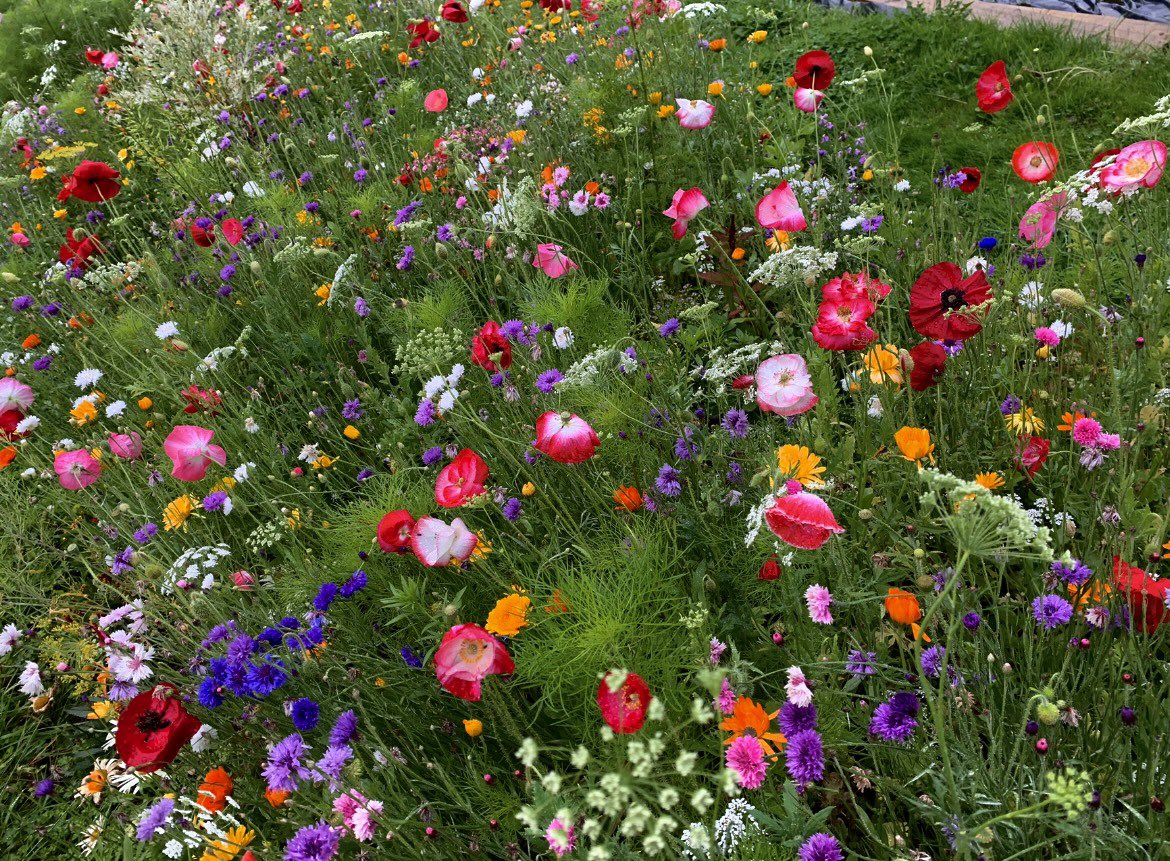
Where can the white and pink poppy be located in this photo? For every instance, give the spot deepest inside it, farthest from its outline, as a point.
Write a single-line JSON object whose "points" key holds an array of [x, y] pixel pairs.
{"points": [[802, 519], [76, 469], [15, 395], [191, 452], [436, 101], [437, 544], [1137, 165], [784, 387], [807, 99], [127, 446], [694, 114], [467, 656], [778, 210], [1039, 222], [551, 261], [1035, 161], [461, 480], [683, 207], [565, 437]]}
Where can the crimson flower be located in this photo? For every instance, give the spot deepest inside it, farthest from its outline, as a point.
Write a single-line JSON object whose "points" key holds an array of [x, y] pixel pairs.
{"points": [[939, 297], [422, 31], [1145, 596], [491, 350], [1031, 453], [624, 709], [930, 360], [394, 530], [994, 88], [814, 70], [79, 251], [454, 12], [972, 178], [91, 181], [153, 729]]}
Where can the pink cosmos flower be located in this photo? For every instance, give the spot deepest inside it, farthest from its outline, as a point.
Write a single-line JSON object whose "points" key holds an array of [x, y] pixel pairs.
{"points": [[694, 113], [819, 599], [436, 101], [76, 469], [551, 261], [778, 210], [467, 656], [1039, 222], [15, 395], [807, 99], [126, 446], [797, 690], [802, 519], [1139, 164], [437, 544], [461, 480], [746, 758], [190, 450], [565, 437], [685, 206], [784, 387]]}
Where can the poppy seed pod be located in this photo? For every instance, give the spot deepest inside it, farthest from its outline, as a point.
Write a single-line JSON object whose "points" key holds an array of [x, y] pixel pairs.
{"points": [[255, 267], [1068, 298]]}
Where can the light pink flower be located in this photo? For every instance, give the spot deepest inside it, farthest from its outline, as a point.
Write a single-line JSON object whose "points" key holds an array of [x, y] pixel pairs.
{"points": [[190, 450], [565, 437], [551, 261], [779, 210], [1039, 222], [807, 99], [784, 387], [127, 446], [76, 469], [436, 101], [746, 758], [437, 544], [1139, 164], [685, 206], [15, 395], [694, 113], [819, 599], [797, 689], [467, 656]]}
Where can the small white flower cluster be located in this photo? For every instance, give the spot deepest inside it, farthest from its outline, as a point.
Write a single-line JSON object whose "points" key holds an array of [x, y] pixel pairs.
{"points": [[793, 266], [197, 566]]}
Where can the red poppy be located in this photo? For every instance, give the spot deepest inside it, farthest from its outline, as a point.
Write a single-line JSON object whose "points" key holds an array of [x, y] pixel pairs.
{"points": [[624, 709], [200, 399], [938, 298], [422, 31], [1145, 596], [1031, 453], [814, 70], [1035, 161], [770, 570], [971, 179], [994, 89], [91, 181], [394, 531], [94, 56], [461, 480], [79, 251], [930, 360], [153, 729], [491, 350], [454, 12]]}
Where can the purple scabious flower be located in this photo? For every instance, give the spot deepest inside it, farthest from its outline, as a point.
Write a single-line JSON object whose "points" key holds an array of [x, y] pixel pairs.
{"points": [[513, 509], [360, 175], [896, 719], [667, 482], [317, 842], [425, 414], [861, 663], [820, 847], [344, 729], [794, 719], [669, 327], [305, 714], [1051, 611], [735, 422], [155, 818], [284, 768], [548, 380]]}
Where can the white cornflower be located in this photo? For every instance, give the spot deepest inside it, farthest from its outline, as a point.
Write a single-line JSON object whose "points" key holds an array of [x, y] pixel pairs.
{"points": [[166, 330], [115, 409], [563, 338], [88, 378], [27, 424]]}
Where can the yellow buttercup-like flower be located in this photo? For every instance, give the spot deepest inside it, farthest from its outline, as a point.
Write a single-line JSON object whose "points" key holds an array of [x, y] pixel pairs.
{"points": [[915, 444], [797, 463], [177, 512]]}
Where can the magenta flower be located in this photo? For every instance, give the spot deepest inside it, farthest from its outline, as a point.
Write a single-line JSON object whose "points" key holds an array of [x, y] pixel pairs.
{"points": [[76, 469], [190, 450], [746, 758], [818, 599]]}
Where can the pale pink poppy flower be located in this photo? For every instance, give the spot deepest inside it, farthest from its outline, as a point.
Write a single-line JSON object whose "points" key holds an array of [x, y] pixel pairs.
{"points": [[778, 210], [76, 469], [807, 99], [802, 519], [190, 450], [685, 206], [467, 656], [694, 114], [784, 387], [565, 437], [15, 395], [551, 261], [819, 600], [243, 580], [437, 544], [436, 101], [797, 690], [1039, 222], [461, 480], [127, 446], [1139, 164]]}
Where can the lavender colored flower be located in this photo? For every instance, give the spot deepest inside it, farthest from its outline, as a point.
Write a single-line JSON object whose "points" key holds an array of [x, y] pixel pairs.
{"points": [[1051, 611], [445, 233], [805, 757], [317, 842], [795, 719], [44, 788], [1075, 573], [820, 847], [351, 411], [325, 597], [214, 501], [410, 658], [972, 621], [406, 259], [932, 661], [155, 818], [512, 329], [284, 768], [425, 414], [361, 307], [548, 380], [406, 213], [668, 482], [333, 761], [669, 327], [896, 719], [357, 581], [344, 729], [735, 422], [305, 714], [1011, 405], [861, 663], [512, 509]]}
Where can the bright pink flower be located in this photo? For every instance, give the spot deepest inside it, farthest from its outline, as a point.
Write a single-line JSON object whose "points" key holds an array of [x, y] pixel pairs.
{"points": [[784, 387], [694, 114], [565, 437], [437, 544], [126, 446], [1047, 336], [76, 469], [853, 285], [994, 88], [624, 706], [461, 480], [807, 99], [467, 656], [1035, 161], [233, 230], [778, 210], [190, 450], [1039, 222], [819, 600], [1086, 431], [243, 580], [746, 758], [551, 261], [436, 101], [685, 206], [802, 520], [15, 395], [1139, 164], [394, 531], [841, 324]]}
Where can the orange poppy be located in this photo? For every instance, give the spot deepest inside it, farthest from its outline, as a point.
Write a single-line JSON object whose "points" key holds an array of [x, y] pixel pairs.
{"points": [[750, 718], [902, 606], [277, 797], [7, 454], [214, 790], [627, 499]]}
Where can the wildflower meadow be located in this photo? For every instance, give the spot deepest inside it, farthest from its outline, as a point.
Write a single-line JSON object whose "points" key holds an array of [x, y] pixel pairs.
{"points": [[580, 430]]}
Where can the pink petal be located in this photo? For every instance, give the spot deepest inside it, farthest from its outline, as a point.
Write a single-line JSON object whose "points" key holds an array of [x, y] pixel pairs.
{"points": [[778, 210]]}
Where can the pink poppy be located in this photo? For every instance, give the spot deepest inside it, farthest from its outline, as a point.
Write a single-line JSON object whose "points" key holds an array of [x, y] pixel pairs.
{"points": [[126, 446], [190, 450], [855, 285], [233, 230], [807, 99], [624, 706], [784, 387], [467, 656], [437, 545], [436, 101], [1139, 164], [76, 469], [15, 395], [1035, 161], [551, 261], [994, 88], [841, 324], [1039, 222], [565, 437], [461, 480], [694, 113], [778, 210], [685, 206], [802, 519]]}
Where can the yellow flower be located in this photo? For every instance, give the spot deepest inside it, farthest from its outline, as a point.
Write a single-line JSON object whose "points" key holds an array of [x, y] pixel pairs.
{"points": [[100, 710], [990, 480], [234, 842], [715, 88], [351, 432], [915, 444], [323, 462], [797, 463], [778, 241], [1024, 421], [764, 89], [509, 615], [177, 512], [482, 548], [145, 403], [757, 37], [225, 484], [82, 413], [60, 213], [528, 489], [37, 172], [665, 111], [883, 364], [654, 98], [79, 111], [473, 727]]}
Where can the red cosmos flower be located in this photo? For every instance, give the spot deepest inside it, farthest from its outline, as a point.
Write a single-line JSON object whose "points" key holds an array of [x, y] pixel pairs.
{"points": [[1145, 596], [624, 709], [153, 729], [814, 70], [929, 362], [770, 570], [394, 531], [454, 12], [200, 399], [972, 179], [422, 31], [994, 89], [91, 181], [79, 251], [1031, 453], [938, 298], [841, 324], [1035, 161], [491, 350], [461, 480]]}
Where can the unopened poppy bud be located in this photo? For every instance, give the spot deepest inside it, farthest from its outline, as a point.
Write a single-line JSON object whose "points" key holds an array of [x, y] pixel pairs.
{"points": [[1110, 237], [255, 267], [1041, 120], [865, 514], [441, 251], [1048, 713], [9, 277], [321, 252], [1068, 298], [868, 51]]}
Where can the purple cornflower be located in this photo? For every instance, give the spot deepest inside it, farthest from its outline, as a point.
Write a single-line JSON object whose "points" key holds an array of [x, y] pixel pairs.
{"points": [[406, 259], [932, 661], [284, 766], [445, 233], [344, 729], [410, 658], [432, 455], [22, 303], [361, 307], [735, 422], [1010, 406], [325, 597], [305, 714], [147, 532], [360, 175], [227, 273], [667, 482], [871, 225], [214, 501], [805, 757], [683, 449], [44, 787], [425, 414], [317, 842], [357, 581], [820, 847], [669, 327], [512, 329], [513, 509], [547, 381], [406, 213], [1075, 573], [794, 719], [335, 759], [861, 663], [155, 818], [971, 621], [351, 411], [896, 719], [1051, 611]]}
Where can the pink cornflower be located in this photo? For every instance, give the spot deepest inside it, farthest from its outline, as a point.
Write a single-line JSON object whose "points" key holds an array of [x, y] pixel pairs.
{"points": [[1086, 431], [727, 698], [561, 837], [818, 599], [1048, 337], [746, 758], [797, 689], [717, 650]]}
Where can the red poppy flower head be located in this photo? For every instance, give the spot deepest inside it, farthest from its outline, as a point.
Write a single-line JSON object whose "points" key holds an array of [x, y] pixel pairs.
{"points": [[971, 179], [153, 728], [491, 350], [941, 302], [79, 250], [994, 88], [91, 181], [422, 31], [815, 70], [928, 361], [454, 12], [770, 570], [1031, 454], [1145, 596], [1035, 161], [94, 56], [623, 706], [394, 531]]}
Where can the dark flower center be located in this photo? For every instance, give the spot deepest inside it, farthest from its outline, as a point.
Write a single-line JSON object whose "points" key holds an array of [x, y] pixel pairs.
{"points": [[953, 300], [152, 721]]}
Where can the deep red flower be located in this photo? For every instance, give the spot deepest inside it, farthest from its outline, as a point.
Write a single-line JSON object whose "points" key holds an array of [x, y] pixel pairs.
{"points": [[394, 531], [973, 178], [79, 251], [153, 729], [1145, 596], [770, 570], [91, 181], [1031, 453], [624, 709], [422, 31], [490, 349], [994, 88], [454, 12], [814, 70], [200, 399], [939, 297], [94, 56], [930, 360]]}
